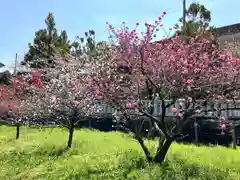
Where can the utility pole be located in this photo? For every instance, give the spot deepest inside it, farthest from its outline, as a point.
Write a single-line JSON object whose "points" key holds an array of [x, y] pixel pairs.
{"points": [[15, 65], [184, 12]]}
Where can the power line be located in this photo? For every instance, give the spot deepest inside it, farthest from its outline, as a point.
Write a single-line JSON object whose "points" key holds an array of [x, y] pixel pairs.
{"points": [[172, 9]]}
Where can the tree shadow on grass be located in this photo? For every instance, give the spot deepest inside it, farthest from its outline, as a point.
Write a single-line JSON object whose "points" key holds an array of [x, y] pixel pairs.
{"points": [[58, 152], [193, 170], [131, 161], [55, 151], [128, 162]]}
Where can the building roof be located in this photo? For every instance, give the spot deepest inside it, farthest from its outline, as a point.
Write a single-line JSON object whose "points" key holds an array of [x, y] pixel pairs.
{"points": [[227, 30]]}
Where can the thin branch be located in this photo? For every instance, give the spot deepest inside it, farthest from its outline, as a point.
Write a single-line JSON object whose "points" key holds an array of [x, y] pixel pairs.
{"points": [[155, 120], [80, 120], [163, 120]]}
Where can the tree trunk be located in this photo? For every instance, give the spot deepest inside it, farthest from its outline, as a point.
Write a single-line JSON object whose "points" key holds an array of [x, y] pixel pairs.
{"points": [[145, 149], [234, 145], [70, 137], [17, 131], [162, 151], [196, 132], [90, 123]]}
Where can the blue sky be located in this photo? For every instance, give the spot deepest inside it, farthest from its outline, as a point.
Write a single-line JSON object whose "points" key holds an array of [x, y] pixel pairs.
{"points": [[21, 18]]}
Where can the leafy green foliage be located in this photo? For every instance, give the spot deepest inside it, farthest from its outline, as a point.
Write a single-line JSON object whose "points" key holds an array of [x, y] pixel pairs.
{"points": [[46, 43], [85, 45], [198, 18], [5, 78], [87, 49], [40, 154], [63, 43]]}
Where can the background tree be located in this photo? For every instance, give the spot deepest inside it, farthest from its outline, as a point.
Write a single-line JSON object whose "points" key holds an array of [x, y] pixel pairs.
{"points": [[45, 44], [77, 47], [198, 18], [5, 77], [63, 43], [86, 47], [90, 44]]}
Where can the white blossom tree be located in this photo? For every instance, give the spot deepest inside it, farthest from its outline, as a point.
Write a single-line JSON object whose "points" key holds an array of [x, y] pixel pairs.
{"points": [[64, 97]]}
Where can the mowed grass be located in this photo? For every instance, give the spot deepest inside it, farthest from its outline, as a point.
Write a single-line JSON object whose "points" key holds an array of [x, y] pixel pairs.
{"points": [[39, 154]]}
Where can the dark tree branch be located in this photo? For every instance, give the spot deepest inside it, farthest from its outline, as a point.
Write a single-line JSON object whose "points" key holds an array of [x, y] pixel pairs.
{"points": [[145, 149]]}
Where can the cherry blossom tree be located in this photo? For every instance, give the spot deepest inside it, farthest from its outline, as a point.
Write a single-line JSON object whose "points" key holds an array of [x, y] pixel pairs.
{"points": [[64, 100], [11, 97], [140, 68]]}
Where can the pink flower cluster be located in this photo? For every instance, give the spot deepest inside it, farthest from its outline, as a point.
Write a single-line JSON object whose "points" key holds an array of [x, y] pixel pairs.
{"points": [[184, 68]]}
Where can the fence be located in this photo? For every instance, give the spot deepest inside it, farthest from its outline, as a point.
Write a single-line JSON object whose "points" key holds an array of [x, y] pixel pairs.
{"points": [[220, 104]]}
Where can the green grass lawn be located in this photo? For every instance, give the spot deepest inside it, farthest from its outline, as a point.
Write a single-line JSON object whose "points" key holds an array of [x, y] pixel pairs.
{"points": [[39, 155]]}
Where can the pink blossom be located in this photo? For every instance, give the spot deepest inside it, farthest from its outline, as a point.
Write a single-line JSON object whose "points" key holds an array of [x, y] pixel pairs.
{"points": [[37, 82], [180, 115], [129, 52], [197, 70], [137, 23], [164, 13], [158, 46], [169, 46], [10, 106], [222, 57], [36, 75], [4, 86], [99, 97], [129, 105], [110, 27], [174, 110], [189, 81], [172, 64], [172, 57], [179, 51], [185, 71], [190, 65], [223, 126], [58, 100]]}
